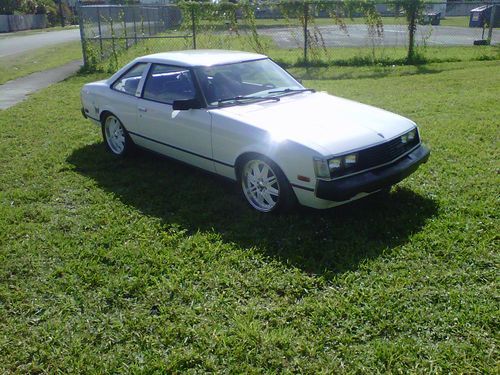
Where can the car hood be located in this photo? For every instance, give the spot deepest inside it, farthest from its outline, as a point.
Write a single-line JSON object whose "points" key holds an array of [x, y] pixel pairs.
{"points": [[325, 123]]}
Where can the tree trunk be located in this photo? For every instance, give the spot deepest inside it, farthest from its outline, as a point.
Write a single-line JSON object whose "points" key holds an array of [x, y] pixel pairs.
{"points": [[412, 28]]}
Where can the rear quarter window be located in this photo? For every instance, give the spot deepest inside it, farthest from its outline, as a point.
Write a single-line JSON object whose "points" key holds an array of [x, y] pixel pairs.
{"points": [[129, 81]]}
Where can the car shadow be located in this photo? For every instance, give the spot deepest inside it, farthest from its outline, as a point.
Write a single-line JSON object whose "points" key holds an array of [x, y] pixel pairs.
{"points": [[319, 242]]}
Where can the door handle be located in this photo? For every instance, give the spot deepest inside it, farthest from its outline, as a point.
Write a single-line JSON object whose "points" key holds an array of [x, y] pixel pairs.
{"points": [[142, 109]]}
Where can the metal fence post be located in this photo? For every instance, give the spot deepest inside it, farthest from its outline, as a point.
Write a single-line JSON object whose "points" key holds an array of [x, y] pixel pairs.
{"points": [[99, 29], [82, 35], [125, 26], [135, 26], [112, 32], [155, 22], [149, 22], [492, 20], [193, 27], [142, 22], [306, 16]]}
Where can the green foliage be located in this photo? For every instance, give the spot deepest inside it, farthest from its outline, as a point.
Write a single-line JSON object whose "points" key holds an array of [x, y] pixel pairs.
{"points": [[47, 7], [27, 6], [9, 6]]}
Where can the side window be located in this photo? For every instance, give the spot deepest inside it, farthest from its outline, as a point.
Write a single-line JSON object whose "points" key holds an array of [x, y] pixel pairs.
{"points": [[168, 83], [128, 82]]}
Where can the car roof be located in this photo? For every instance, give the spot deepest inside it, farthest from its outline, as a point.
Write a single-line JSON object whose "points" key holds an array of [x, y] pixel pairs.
{"points": [[200, 57]]}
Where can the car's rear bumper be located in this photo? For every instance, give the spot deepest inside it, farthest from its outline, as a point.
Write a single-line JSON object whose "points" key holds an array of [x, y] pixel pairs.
{"points": [[376, 179]]}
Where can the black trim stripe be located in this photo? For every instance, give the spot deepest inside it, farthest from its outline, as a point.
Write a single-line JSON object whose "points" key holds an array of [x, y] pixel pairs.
{"points": [[302, 187], [181, 149]]}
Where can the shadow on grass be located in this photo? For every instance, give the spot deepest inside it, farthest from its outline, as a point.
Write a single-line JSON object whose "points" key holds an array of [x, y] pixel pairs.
{"points": [[318, 242]]}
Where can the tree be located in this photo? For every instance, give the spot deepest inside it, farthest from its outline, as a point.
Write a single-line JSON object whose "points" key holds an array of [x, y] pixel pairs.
{"points": [[413, 10], [9, 6]]}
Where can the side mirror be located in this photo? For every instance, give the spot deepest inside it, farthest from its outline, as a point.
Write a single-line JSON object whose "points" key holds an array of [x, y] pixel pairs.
{"points": [[185, 104]]}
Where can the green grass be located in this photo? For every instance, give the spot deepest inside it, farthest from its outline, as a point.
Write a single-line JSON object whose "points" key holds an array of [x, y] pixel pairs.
{"points": [[12, 67], [456, 21], [378, 71], [146, 265], [385, 56]]}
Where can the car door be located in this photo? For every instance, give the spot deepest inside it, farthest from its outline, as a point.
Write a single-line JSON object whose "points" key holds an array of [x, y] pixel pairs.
{"points": [[123, 97], [183, 135]]}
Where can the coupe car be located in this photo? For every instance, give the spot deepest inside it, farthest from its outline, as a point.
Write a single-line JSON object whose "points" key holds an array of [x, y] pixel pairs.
{"points": [[241, 116]]}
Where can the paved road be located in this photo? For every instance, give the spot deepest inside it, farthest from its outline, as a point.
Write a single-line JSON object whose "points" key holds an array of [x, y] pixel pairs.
{"points": [[394, 35], [14, 45]]}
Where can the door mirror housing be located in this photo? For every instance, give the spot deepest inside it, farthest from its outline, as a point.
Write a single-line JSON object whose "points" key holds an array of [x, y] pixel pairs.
{"points": [[185, 104]]}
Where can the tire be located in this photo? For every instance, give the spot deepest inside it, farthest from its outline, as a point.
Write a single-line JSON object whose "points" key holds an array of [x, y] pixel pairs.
{"points": [[115, 136], [264, 186]]}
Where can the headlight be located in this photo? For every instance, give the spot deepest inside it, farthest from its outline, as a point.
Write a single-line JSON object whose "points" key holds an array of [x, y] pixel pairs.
{"points": [[328, 168], [350, 160], [335, 164], [412, 134], [321, 168], [408, 137]]}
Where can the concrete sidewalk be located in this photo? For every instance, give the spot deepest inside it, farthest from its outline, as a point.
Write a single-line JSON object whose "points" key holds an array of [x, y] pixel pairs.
{"points": [[13, 92]]}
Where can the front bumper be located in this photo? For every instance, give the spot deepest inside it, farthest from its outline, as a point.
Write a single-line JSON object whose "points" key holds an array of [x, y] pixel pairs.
{"points": [[376, 179]]}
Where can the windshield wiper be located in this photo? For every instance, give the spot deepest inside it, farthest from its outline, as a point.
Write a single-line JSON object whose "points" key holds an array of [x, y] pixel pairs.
{"points": [[286, 91], [239, 98]]}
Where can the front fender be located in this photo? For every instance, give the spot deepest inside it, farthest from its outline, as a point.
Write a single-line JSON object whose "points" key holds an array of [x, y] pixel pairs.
{"points": [[292, 158]]}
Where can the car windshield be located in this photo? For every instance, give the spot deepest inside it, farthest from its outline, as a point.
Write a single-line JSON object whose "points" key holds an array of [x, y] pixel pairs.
{"points": [[246, 82]]}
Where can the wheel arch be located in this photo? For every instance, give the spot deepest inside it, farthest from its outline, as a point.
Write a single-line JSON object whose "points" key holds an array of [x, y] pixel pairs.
{"points": [[105, 114], [239, 162], [287, 196]]}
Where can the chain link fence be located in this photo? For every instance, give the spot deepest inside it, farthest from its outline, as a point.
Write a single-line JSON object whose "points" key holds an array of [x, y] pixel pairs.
{"points": [[108, 31], [293, 33]]}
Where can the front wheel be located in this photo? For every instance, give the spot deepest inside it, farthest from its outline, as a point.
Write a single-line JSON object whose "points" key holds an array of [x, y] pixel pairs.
{"points": [[265, 186], [115, 136]]}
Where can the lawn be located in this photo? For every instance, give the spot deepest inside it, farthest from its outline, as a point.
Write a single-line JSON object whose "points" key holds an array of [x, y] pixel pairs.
{"points": [[12, 67], [147, 265]]}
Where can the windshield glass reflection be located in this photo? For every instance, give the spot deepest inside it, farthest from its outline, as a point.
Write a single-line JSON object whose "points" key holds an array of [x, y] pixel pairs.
{"points": [[241, 82]]}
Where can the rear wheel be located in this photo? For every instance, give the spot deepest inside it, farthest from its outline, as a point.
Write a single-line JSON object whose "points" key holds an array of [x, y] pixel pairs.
{"points": [[265, 186], [115, 136]]}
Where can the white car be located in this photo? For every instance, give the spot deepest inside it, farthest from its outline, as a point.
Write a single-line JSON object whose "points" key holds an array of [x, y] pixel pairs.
{"points": [[240, 115]]}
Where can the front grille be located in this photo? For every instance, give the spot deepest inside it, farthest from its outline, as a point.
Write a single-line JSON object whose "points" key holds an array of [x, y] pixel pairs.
{"points": [[378, 155]]}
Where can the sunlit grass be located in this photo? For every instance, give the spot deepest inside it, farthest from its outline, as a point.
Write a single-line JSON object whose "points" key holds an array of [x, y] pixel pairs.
{"points": [[147, 265], [38, 60]]}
